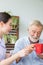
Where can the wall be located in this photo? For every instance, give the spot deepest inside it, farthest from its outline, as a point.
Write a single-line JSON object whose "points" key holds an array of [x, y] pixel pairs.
{"points": [[27, 10]]}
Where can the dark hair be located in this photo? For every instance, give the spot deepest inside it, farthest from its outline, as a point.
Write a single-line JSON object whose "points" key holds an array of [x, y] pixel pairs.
{"points": [[4, 17]]}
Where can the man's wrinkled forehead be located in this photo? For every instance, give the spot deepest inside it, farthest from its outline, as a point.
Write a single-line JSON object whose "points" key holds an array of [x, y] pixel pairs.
{"points": [[36, 24], [35, 27]]}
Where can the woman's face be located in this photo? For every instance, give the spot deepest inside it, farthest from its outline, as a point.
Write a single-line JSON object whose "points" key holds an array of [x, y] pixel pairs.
{"points": [[6, 27]]}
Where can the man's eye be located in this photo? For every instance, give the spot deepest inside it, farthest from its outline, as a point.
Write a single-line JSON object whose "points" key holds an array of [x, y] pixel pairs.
{"points": [[33, 31], [39, 33]]}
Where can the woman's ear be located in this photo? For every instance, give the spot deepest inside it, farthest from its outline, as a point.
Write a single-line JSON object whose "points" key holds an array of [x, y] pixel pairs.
{"points": [[1, 23]]}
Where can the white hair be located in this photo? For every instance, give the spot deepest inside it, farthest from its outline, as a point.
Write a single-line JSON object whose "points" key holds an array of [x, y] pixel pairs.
{"points": [[36, 23]]}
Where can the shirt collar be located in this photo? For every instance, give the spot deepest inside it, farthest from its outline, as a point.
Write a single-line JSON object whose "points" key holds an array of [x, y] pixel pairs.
{"points": [[0, 40], [2, 43]]}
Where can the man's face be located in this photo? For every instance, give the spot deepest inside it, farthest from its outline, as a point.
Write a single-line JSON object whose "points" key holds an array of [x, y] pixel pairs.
{"points": [[6, 27], [34, 33]]}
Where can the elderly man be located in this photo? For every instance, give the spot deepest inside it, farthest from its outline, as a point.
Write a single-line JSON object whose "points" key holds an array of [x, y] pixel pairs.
{"points": [[34, 32]]}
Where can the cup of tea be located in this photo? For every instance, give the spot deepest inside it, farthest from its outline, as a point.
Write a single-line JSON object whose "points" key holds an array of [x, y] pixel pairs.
{"points": [[39, 48]]}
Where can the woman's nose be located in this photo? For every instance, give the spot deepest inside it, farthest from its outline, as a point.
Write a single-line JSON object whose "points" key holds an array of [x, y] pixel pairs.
{"points": [[10, 27]]}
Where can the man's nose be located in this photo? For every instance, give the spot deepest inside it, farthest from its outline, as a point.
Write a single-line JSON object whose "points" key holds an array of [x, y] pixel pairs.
{"points": [[36, 34]]}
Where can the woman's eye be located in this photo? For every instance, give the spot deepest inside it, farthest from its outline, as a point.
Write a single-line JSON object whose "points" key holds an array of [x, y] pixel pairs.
{"points": [[10, 24]]}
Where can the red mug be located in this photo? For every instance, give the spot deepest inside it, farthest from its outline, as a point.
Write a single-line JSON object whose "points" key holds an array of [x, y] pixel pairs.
{"points": [[39, 48]]}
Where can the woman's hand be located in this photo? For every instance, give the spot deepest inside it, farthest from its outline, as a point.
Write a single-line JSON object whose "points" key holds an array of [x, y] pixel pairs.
{"points": [[28, 49]]}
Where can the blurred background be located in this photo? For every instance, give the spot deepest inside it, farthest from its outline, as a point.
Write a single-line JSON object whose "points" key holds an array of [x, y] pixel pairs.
{"points": [[27, 10]]}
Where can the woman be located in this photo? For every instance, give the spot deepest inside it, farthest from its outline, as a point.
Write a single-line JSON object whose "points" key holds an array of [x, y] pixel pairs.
{"points": [[5, 27], [20, 54], [5, 21]]}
